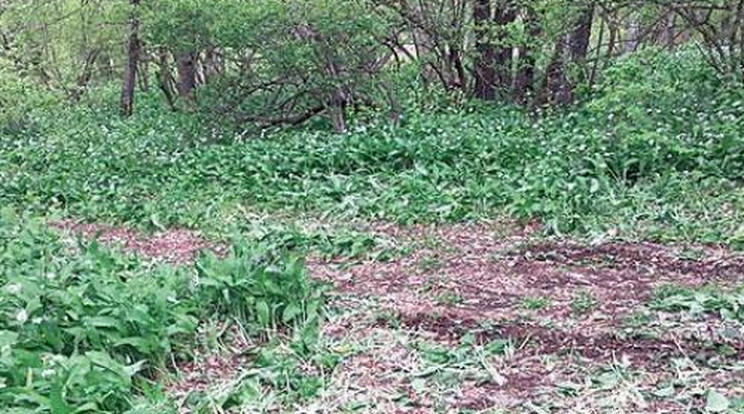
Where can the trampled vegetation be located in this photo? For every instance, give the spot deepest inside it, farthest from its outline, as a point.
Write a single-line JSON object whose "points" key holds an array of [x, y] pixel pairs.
{"points": [[352, 206]]}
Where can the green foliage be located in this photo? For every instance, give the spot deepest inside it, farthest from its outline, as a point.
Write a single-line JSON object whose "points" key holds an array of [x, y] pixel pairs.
{"points": [[83, 328], [62, 45], [282, 51], [276, 293], [20, 101], [583, 302], [728, 304], [657, 153]]}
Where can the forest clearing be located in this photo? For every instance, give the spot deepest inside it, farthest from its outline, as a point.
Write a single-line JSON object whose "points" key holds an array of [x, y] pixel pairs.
{"points": [[353, 206]]}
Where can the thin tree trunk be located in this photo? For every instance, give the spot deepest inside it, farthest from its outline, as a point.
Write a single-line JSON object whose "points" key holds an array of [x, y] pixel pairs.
{"points": [[598, 54], [582, 34], [211, 64], [633, 34], [143, 70], [338, 98], [86, 74], [666, 31], [504, 16], [557, 88], [612, 42], [126, 103], [456, 60], [524, 82], [580, 39], [485, 64], [186, 67], [338, 118], [164, 78]]}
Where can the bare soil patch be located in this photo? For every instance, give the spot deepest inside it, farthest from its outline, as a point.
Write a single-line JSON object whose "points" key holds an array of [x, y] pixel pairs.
{"points": [[536, 340], [172, 246], [484, 272], [484, 280]]}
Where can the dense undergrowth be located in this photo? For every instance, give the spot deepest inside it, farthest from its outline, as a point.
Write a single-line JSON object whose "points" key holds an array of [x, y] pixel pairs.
{"points": [[83, 327], [655, 152]]}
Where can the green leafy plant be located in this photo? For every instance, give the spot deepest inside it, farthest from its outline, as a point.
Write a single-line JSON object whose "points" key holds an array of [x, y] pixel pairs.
{"points": [[84, 328], [729, 304], [583, 302], [655, 169], [258, 291]]}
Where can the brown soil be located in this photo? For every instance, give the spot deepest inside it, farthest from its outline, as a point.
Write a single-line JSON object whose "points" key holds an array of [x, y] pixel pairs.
{"points": [[540, 340], [172, 246]]}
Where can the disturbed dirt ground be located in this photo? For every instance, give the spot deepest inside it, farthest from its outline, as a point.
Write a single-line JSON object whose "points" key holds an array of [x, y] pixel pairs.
{"points": [[488, 318]]}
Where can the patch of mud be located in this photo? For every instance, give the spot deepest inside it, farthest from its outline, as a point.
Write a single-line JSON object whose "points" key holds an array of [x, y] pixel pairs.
{"points": [[171, 246]]}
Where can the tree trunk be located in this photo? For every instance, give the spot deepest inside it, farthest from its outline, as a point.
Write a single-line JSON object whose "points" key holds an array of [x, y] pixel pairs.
{"points": [[557, 88], [571, 47], [485, 64], [632, 34], [338, 118], [504, 16], [212, 64], [580, 39], [126, 103], [614, 35], [165, 80], [338, 98], [666, 32], [524, 82], [143, 69], [493, 69], [459, 80], [186, 67], [582, 34], [598, 53]]}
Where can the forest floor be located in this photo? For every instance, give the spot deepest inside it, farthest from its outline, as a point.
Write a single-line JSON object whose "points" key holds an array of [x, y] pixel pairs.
{"points": [[490, 317]]}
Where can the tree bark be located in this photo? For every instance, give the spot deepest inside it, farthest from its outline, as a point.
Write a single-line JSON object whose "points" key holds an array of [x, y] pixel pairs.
{"points": [[582, 34], [186, 67], [524, 82], [633, 34], [485, 64], [126, 103], [666, 32], [580, 39], [504, 16], [493, 69], [338, 97], [557, 87], [165, 80]]}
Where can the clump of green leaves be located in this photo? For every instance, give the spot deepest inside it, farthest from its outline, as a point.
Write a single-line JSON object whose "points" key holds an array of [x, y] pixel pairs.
{"points": [[535, 302], [583, 302], [729, 304], [258, 290], [84, 328]]}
